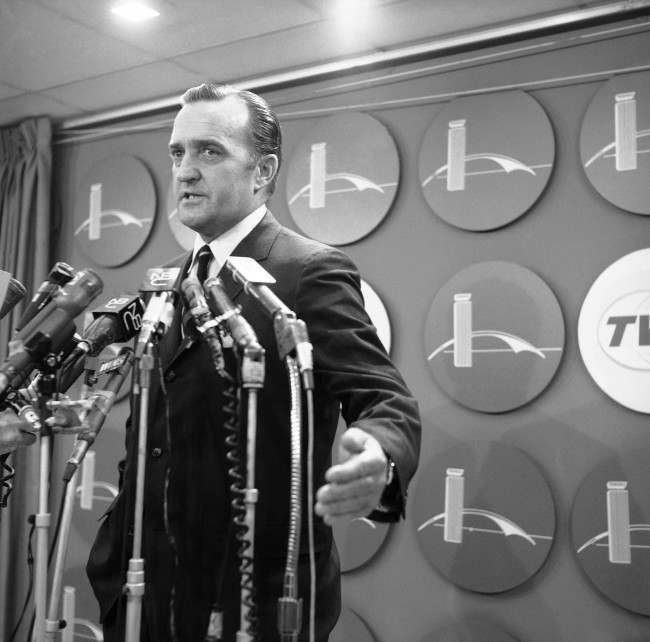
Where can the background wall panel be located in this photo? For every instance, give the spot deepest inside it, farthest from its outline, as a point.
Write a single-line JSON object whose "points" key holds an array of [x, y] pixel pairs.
{"points": [[569, 236]]}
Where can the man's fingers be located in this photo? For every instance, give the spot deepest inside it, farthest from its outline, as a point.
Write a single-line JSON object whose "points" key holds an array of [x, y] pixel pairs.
{"points": [[361, 465], [353, 441], [362, 487], [359, 455], [354, 499]]}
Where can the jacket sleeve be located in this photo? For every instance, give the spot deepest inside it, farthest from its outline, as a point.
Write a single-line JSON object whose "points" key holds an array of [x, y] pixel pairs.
{"points": [[352, 366]]}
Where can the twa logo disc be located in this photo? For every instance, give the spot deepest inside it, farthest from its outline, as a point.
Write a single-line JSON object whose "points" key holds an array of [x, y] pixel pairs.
{"points": [[610, 528], [484, 516], [342, 178], [485, 160], [614, 331], [115, 210], [494, 336], [615, 142]]}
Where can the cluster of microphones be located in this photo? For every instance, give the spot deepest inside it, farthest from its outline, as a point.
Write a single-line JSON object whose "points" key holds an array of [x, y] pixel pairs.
{"points": [[46, 355], [45, 345]]}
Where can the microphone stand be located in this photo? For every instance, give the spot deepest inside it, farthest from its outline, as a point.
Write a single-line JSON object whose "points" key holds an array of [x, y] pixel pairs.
{"points": [[289, 605], [292, 339], [53, 624], [135, 574], [97, 410], [252, 376], [42, 518]]}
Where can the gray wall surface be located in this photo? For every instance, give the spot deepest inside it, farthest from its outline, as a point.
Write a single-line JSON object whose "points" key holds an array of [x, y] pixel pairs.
{"points": [[568, 237]]}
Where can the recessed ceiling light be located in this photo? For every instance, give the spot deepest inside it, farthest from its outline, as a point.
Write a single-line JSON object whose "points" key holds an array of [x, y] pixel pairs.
{"points": [[135, 11]]}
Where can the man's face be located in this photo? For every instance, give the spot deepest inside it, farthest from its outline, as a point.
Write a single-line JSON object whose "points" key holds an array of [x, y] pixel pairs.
{"points": [[214, 173]]}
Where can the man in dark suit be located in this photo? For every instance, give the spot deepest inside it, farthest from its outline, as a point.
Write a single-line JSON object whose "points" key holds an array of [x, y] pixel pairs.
{"points": [[226, 151]]}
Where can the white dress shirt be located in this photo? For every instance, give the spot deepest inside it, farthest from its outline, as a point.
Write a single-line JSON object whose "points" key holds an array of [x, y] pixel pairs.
{"points": [[222, 247]]}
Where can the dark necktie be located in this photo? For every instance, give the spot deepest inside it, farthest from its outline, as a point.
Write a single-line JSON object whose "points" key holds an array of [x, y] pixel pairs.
{"points": [[205, 256]]}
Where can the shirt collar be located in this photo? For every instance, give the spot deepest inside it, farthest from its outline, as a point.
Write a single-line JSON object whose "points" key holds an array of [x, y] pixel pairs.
{"points": [[222, 247]]}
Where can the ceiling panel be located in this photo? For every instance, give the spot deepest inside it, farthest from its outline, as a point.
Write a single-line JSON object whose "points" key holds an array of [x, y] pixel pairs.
{"points": [[27, 105], [274, 52], [188, 25], [427, 19], [124, 87], [82, 59], [40, 49]]}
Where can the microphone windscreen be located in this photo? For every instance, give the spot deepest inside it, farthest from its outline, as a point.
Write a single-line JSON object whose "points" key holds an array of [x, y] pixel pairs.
{"points": [[11, 292]]}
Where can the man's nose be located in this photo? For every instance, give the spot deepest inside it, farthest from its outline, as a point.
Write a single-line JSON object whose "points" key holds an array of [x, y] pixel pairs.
{"points": [[187, 170]]}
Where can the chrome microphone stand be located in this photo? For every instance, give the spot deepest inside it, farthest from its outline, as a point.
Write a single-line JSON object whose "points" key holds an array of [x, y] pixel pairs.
{"points": [[42, 518], [93, 415], [252, 376], [135, 579]]}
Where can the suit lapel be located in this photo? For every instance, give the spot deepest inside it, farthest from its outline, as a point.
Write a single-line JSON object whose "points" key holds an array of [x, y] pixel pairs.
{"points": [[172, 344], [256, 245]]}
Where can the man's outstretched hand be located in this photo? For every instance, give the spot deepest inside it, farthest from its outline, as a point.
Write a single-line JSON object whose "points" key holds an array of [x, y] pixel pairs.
{"points": [[354, 486]]}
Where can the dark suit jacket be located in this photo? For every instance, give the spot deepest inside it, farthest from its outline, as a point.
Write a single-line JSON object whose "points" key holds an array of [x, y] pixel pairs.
{"points": [[186, 526]]}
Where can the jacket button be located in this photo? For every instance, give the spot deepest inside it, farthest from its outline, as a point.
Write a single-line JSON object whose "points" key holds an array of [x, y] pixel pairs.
{"points": [[170, 376], [156, 452]]}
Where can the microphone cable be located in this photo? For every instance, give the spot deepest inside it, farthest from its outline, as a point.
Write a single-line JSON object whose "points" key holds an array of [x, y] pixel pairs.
{"points": [[310, 514], [30, 587], [5, 479], [232, 427]]}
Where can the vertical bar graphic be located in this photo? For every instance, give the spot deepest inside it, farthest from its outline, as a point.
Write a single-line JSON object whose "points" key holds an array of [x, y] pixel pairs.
{"points": [[625, 131], [454, 505], [463, 330], [87, 480], [95, 213], [456, 143], [618, 522], [67, 635], [317, 171]]}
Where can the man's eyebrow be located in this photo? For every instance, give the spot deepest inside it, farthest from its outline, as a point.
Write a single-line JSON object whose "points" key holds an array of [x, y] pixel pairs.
{"points": [[195, 142]]}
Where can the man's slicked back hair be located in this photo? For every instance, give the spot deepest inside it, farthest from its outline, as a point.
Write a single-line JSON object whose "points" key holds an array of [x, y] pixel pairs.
{"points": [[265, 127]]}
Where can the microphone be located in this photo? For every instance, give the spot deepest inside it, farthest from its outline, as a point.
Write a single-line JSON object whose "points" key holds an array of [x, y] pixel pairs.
{"points": [[60, 274], [226, 311], [249, 273], [290, 332], [118, 320], [205, 324], [160, 308], [11, 292], [50, 330], [20, 423], [102, 403], [14, 432]]}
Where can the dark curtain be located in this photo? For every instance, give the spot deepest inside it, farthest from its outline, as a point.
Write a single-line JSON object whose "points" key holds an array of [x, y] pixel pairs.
{"points": [[25, 229]]}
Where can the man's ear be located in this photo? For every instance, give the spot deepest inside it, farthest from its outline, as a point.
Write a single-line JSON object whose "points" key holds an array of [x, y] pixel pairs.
{"points": [[267, 168]]}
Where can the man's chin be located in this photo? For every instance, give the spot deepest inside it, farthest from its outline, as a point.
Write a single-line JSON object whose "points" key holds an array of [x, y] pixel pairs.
{"points": [[190, 216]]}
